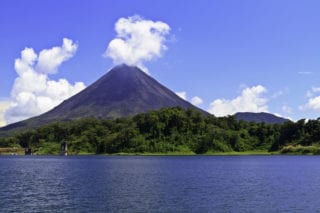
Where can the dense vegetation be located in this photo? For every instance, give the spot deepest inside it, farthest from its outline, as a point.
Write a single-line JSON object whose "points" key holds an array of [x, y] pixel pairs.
{"points": [[170, 130]]}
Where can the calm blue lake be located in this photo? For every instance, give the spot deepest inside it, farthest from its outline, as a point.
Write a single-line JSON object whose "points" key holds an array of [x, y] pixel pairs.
{"points": [[160, 184]]}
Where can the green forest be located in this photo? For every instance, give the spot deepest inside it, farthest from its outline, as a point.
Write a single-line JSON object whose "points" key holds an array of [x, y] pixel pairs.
{"points": [[170, 131]]}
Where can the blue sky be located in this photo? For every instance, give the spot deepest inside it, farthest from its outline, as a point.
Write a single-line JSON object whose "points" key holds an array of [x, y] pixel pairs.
{"points": [[234, 55]]}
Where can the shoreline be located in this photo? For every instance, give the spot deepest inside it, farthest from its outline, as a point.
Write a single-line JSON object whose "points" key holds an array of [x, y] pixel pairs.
{"points": [[246, 153]]}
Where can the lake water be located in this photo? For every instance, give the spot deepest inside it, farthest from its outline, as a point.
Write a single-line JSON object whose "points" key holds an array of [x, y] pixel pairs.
{"points": [[160, 184]]}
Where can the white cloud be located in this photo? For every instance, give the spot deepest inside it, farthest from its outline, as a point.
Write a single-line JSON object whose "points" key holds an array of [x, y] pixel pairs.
{"points": [[312, 104], [138, 40], [313, 100], [196, 101], [182, 95], [304, 73], [313, 91], [50, 59], [316, 89], [33, 92], [4, 105], [250, 100], [277, 94], [285, 108]]}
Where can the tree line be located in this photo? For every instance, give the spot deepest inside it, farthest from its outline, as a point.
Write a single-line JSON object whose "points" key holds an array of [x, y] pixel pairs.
{"points": [[169, 130]]}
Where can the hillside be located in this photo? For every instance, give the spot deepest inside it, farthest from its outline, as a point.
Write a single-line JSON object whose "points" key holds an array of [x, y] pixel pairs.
{"points": [[260, 117]]}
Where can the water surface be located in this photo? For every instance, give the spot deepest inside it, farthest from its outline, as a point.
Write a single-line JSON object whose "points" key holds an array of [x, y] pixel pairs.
{"points": [[160, 184]]}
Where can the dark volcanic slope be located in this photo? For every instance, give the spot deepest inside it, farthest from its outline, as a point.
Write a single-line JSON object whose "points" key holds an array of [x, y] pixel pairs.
{"points": [[123, 91], [260, 117]]}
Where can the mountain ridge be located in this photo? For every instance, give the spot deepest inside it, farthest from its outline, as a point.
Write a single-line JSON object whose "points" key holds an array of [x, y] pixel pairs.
{"points": [[260, 117]]}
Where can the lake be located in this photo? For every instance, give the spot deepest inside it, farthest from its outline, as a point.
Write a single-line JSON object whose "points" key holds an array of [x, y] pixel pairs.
{"points": [[160, 184]]}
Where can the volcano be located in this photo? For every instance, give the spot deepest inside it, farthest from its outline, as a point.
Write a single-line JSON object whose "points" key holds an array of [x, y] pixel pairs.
{"points": [[123, 91]]}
